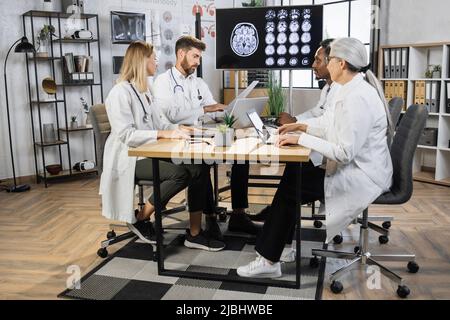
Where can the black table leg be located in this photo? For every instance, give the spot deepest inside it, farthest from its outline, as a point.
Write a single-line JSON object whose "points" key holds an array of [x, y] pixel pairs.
{"points": [[158, 218], [298, 219]]}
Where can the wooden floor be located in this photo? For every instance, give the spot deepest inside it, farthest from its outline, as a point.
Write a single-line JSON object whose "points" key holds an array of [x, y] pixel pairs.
{"points": [[45, 231]]}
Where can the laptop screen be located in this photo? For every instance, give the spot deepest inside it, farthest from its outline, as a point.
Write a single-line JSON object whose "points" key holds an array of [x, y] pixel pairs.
{"points": [[258, 124]]}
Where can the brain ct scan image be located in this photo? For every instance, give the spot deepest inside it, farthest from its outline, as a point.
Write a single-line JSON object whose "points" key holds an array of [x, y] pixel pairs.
{"points": [[282, 38], [293, 50], [294, 26], [306, 37], [244, 39], [282, 26], [282, 14], [270, 50], [293, 62], [281, 50], [270, 14], [270, 38], [306, 26], [281, 62], [270, 61], [305, 61], [306, 49], [294, 38], [270, 26], [295, 14]]}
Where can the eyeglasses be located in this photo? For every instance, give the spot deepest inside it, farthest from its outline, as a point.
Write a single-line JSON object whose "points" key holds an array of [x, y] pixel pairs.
{"points": [[328, 59]]}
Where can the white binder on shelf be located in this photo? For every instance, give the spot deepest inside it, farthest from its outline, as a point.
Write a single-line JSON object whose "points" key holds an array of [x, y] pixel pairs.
{"points": [[392, 63], [387, 65], [404, 70], [398, 57], [428, 95]]}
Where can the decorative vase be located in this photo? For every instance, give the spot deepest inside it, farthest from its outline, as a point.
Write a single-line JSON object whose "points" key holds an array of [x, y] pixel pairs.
{"points": [[224, 139], [42, 50], [74, 124], [47, 5], [436, 74]]}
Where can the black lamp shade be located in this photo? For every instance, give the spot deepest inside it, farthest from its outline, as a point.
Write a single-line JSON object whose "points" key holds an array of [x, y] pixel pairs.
{"points": [[24, 46]]}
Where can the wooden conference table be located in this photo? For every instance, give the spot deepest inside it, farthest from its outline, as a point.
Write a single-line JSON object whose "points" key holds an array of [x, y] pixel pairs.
{"points": [[244, 150]]}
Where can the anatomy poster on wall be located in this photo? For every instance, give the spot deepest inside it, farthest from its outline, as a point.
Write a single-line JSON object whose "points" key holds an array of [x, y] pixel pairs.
{"points": [[268, 38]]}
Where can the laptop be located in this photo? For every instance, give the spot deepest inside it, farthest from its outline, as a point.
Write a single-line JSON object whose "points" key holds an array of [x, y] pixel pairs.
{"points": [[266, 136], [242, 95], [242, 106]]}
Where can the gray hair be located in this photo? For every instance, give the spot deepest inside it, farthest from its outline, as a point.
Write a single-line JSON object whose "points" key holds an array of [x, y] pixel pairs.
{"points": [[354, 53]]}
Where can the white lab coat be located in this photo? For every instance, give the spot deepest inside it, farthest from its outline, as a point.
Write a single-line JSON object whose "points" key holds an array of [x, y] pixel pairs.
{"points": [[182, 106], [128, 129], [357, 141], [326, 96]]}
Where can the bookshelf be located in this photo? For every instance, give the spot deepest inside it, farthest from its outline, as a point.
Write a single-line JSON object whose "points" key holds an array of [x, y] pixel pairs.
{"points": [[58, 110], [431, 162]]}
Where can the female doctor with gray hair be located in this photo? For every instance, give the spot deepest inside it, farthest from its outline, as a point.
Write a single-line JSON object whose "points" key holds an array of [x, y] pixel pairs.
{"points": [[354, 142]]}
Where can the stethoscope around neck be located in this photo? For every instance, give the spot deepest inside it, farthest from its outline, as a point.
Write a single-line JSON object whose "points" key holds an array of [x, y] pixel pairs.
{"points": [[179, 87], [147, 117]]}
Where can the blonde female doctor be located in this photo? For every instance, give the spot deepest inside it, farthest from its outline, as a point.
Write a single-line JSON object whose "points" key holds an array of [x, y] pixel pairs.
{"points": [[355, 144], [136, 120]]}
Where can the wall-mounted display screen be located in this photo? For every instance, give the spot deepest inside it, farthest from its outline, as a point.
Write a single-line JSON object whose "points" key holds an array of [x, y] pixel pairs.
{"points": [[268, 37], [127, 27]]}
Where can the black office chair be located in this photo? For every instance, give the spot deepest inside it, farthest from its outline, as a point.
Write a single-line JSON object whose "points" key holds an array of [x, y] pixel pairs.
{"points": [[402, 152], [395, 109], [102, 129]]}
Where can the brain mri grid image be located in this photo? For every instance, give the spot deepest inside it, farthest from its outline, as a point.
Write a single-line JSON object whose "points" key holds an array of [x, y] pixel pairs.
{"points": [[287, 37], [268, 37]]}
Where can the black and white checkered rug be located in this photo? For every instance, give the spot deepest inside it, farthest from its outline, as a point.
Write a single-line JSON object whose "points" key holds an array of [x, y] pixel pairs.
{"points": [[131, 273]]}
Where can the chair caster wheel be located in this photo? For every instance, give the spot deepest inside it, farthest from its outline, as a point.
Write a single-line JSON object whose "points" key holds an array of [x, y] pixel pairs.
{"points": [[413, 267], [317, 224], [386, 224], [336, 287], [338, 239], [314, 262], [111, 234], [383, 239], [403, 291], [102, 253], [356, 249]]}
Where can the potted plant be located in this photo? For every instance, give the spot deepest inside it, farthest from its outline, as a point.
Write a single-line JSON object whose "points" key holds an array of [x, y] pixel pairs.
{"points": [[73, 122], [277, 98], [437, 71], [253, 3], [224, 136], [43, 38]]}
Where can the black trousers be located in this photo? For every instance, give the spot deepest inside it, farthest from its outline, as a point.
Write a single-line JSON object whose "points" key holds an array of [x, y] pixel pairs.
{"points": [[280, 224], [175, 178], [239, 189]]}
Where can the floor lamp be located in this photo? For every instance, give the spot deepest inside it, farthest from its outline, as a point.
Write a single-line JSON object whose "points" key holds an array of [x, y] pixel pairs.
{"points": [[23, 46]]}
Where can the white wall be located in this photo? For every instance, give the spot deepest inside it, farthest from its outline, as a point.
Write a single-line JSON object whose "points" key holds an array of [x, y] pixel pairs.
{"points": [[11, 25], [414, 21]]}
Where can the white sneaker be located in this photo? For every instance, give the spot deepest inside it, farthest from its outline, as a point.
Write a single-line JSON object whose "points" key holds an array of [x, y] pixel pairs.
{"points": [[260, 268], [288, 255]]}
